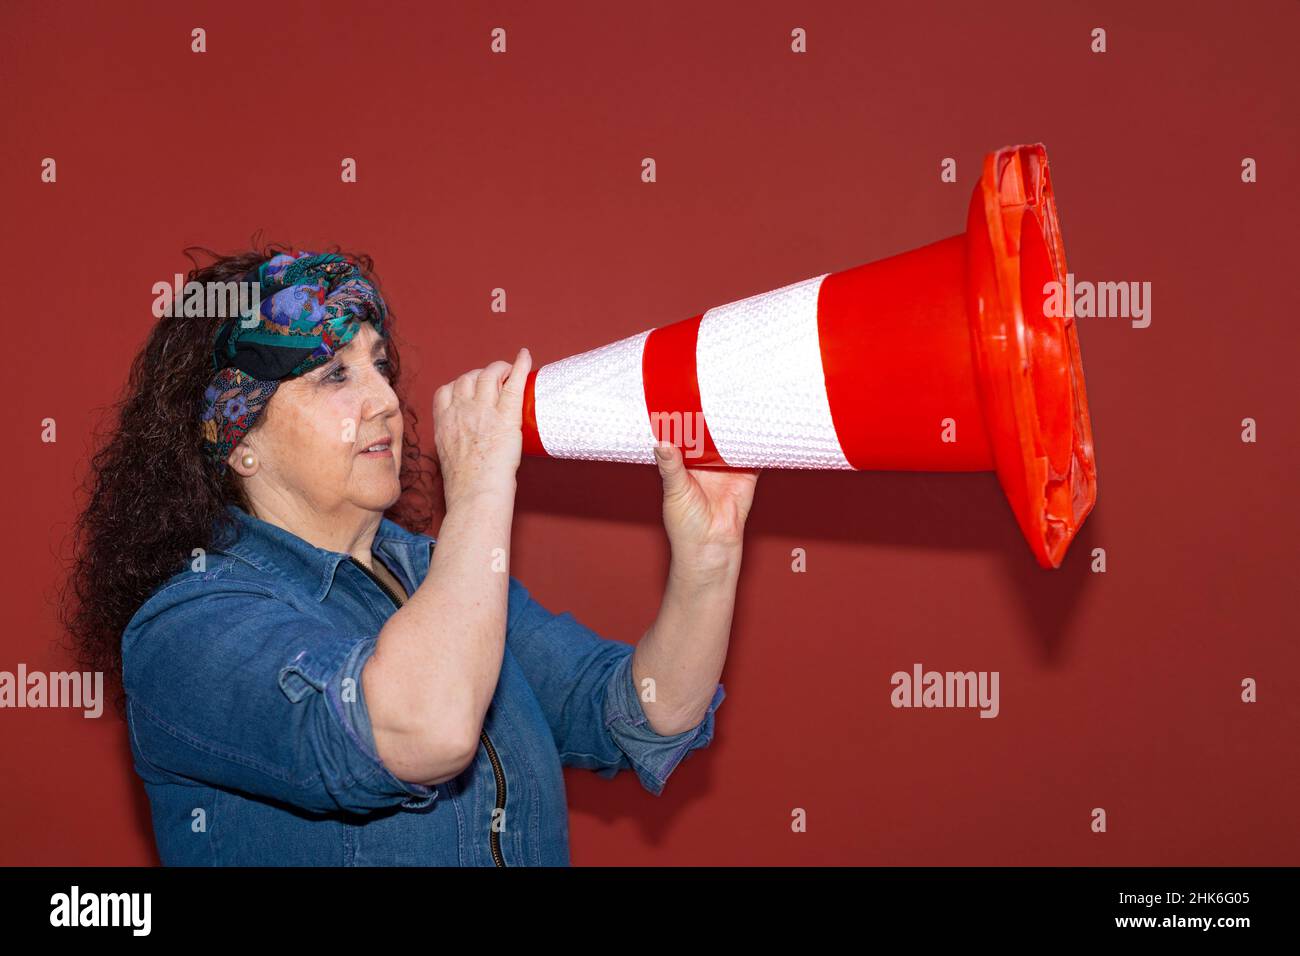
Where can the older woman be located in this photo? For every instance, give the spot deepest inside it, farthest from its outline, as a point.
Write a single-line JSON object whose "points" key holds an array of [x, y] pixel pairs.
{"points": [[307, 680]]}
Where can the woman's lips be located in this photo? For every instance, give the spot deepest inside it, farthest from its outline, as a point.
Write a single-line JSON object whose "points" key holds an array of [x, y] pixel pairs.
{"points": [[385, 452]]}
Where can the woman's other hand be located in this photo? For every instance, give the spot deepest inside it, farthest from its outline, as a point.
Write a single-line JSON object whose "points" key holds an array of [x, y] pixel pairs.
{"points": [[704, 511], [478, 428]]}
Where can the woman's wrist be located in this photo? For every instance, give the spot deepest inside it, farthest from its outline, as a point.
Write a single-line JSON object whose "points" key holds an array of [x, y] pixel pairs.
{"points": [[698, 567], [482, 494]]}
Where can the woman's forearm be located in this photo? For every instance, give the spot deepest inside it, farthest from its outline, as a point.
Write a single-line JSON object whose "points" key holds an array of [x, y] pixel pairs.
{"points": [[686, 646], [438, 657]]}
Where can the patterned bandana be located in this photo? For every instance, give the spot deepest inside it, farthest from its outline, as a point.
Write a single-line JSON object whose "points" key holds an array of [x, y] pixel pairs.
{"points": [[311, 306]]}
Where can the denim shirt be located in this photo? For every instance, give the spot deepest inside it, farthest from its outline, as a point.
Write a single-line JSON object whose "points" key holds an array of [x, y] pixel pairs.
{"points": [[250, 730]]}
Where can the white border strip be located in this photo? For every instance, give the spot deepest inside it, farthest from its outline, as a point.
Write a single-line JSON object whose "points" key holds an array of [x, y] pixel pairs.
{"points": [[592, 405], [762, 387]]}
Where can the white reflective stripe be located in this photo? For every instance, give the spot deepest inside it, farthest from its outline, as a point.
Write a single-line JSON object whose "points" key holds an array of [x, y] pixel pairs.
{"points": [[762, 388], [592, 405]]}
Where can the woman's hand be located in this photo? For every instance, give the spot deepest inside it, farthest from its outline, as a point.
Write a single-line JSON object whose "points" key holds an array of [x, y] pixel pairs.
{"points": [[478, 428], [704, 511]]}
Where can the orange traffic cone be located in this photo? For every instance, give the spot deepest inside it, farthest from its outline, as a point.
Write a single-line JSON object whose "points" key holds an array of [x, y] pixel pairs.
{"points": [[938, 359]]}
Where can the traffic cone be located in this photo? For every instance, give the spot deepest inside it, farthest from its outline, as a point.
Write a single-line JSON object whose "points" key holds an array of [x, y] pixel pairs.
{"points": [[938, 359]]}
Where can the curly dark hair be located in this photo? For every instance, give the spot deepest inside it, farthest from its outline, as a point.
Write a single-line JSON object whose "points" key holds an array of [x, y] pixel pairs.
{"points": [[154, 496]]}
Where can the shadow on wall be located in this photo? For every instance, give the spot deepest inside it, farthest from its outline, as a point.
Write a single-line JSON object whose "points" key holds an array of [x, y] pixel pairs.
{"points": [[877, 509]]}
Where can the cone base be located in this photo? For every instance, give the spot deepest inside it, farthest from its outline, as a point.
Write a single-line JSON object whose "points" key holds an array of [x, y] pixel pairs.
{"points": [[1027, 362]]}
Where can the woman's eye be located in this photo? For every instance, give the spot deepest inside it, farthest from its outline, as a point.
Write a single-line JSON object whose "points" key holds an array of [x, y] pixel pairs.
{"points": [[384, 366]]}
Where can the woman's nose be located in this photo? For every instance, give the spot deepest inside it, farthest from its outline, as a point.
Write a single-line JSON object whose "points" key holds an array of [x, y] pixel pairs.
{"points": [[380, 399]]}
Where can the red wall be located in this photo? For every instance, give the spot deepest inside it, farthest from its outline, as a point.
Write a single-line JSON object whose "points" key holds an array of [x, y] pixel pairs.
{"points": [[1118, 690]]}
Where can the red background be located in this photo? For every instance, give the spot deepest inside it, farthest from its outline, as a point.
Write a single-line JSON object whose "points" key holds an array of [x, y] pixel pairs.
{"points": [[1118, 690]]}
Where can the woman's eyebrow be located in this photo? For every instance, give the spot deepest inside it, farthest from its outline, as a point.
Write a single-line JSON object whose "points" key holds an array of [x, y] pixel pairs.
{"points": [[377, 346]]}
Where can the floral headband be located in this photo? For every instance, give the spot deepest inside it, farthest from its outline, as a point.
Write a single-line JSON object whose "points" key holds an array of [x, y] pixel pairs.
{"points": [[311, 306]]}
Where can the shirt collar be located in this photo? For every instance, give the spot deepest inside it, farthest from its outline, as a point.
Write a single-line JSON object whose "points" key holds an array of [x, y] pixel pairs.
{"points": [[273, 550]]}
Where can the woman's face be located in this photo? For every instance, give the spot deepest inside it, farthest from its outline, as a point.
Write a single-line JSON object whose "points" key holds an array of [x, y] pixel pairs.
{"points": [[310, 442]]}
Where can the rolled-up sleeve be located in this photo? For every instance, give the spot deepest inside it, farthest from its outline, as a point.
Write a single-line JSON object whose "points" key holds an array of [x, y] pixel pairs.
{"points": [[653, 757], [584, 684], [231, 686]]}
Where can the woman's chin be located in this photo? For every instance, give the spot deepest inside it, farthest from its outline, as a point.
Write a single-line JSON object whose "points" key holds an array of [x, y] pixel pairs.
{"points": [[378, 493]]}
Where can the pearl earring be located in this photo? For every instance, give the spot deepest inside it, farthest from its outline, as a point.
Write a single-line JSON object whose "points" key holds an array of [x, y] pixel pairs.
{"points": [[248, 461]]}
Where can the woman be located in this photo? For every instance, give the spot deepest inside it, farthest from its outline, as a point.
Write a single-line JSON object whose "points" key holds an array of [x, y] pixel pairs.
{"points": [[309, 682]]}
